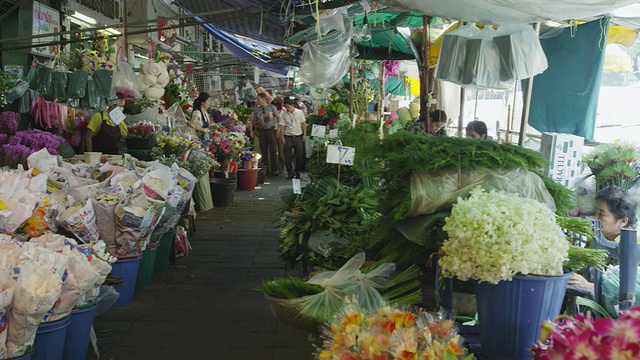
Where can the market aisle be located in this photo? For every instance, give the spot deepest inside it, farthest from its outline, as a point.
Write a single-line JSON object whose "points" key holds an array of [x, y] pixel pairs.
{"points": [[206, 307]]}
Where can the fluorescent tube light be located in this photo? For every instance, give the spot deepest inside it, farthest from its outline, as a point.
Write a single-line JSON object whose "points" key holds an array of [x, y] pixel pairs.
{"points": [[113, 31], [84, 18]]}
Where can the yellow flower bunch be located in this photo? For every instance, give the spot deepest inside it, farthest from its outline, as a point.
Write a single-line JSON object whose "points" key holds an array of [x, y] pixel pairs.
{"points": [[390, 334]]}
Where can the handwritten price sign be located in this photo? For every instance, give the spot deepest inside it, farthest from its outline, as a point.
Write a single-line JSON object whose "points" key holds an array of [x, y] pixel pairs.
{"points": [[340, 154], [318, 130]]}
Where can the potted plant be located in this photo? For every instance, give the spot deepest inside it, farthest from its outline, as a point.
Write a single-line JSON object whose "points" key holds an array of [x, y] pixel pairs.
{"points": [[614, 164], [515, 250], [141, 136]]}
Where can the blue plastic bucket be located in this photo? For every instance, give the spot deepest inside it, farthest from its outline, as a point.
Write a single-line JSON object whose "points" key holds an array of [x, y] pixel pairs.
{"points": [[78, 332], [511, 312], [27, 356], [126, 268], [50, 340]]}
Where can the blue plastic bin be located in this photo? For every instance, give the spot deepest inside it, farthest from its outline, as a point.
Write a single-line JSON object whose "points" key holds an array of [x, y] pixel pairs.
{"points": [[78, 332], [126, 268], [50, 340]]}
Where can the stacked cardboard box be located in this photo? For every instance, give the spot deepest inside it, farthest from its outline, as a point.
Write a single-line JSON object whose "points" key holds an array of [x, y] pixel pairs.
{"points": [[564, 153]]}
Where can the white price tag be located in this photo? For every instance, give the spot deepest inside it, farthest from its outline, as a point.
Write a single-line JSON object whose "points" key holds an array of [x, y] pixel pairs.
{"points": [[297, 189], [318, 130], [340, 154], [116, 115], [333, 133]]}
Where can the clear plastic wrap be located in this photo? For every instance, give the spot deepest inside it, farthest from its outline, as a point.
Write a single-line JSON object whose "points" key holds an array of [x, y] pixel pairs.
{"points": [[123, 83], [58, 91], [77, 84], [41, 82], [482, 62], [431, 193], [452, 53], [102, 78], [349, 282], [521, 55], [324, 62], [611, 289], [18, 91]]}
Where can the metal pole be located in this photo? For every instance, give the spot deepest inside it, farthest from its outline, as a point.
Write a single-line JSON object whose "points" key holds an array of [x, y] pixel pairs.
{"points": [[351, 59], [527, 102], [125, 42], [380, 102], [424, 73], [475, 107], [461, 116]]}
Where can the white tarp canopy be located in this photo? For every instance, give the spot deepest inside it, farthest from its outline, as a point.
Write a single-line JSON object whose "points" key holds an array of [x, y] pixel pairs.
{"points": [[501, 12]]}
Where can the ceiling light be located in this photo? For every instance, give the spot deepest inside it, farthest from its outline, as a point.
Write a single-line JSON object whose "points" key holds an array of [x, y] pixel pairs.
{"points": [[113, 31], [84, 18]]}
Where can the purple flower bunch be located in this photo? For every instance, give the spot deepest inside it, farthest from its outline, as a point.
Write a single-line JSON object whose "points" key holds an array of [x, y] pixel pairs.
{"points": [[8, 122], [238, 128], [14, 149], [217, 116], [37, 139], [13, 155]]}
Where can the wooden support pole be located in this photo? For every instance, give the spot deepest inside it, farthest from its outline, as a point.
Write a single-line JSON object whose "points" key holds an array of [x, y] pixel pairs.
{"points": [[524, 120]]}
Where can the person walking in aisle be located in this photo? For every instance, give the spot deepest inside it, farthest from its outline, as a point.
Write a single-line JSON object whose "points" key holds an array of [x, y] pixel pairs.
{"points": [[264, 119], [293, 134]]}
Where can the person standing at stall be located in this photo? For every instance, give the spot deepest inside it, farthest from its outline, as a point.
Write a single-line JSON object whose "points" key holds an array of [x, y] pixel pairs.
{"points": [[264, 119], [109, 132], [200, 118], [293, 134], [438, 120]]}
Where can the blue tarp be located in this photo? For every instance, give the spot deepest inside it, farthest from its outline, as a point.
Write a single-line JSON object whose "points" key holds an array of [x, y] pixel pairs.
{"points": [[565, 97]]}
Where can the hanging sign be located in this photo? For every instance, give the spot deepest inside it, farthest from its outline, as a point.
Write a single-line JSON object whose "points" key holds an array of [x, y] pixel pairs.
{"points": [[318, 130], [116, 115], [46, 20], [340, 154]]}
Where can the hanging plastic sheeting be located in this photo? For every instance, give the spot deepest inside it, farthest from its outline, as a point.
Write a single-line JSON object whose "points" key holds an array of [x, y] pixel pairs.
{"points": [[565, 97], [490, 59], [521, 55], [324, 62], [502, 12]]}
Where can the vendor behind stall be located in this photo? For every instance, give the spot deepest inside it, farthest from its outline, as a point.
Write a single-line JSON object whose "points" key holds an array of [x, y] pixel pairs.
{"points": [[109, 133]]}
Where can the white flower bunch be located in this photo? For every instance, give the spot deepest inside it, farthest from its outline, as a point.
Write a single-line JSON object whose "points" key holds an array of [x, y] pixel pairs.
{"points": [[496, 235]]}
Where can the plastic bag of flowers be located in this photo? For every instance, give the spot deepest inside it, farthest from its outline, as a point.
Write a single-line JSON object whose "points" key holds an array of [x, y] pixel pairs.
{"points": [[80, 276], [311, 311], [136, 217], [35, 292], [390, 333], [581, 337]]}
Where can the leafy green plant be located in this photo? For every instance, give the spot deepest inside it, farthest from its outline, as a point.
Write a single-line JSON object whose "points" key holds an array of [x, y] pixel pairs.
{"points": [[614, 164], [7, 82], [330, 209], [403, 153]]}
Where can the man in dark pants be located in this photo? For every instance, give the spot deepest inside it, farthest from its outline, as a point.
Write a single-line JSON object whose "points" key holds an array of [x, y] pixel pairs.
{"points": [[293, 134], [264, 119]]}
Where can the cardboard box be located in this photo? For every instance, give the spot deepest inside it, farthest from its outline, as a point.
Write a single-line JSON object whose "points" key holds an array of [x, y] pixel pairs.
{"points": [[564, 153]]}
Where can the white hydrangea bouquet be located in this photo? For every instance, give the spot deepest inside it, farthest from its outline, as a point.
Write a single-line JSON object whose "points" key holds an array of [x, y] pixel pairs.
{"points": [[496, 235]]}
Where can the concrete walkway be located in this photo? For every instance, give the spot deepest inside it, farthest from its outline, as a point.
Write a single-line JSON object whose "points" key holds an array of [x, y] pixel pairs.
{"points": [[206, 307]]}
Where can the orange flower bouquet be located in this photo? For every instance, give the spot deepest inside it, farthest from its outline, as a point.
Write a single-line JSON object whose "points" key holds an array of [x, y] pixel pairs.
{"points": [[391, 334]]}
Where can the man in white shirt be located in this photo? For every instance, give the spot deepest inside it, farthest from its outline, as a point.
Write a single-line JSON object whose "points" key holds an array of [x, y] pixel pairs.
{"points": [[293, 133]]}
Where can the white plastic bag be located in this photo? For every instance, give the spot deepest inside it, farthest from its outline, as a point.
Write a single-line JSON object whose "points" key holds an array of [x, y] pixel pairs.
{"points": [[6, 297], [124, 84], [324, 62], [452, 53], [521, 55]]}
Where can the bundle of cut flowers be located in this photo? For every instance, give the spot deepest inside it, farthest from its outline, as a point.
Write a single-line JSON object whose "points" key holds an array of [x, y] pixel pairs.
{"points": [[15, 148], [141, 130], [391, 334], [583, 337], [75, 135], [167, 146], [227, 144], [493, 236], [246, 155]]}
